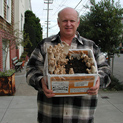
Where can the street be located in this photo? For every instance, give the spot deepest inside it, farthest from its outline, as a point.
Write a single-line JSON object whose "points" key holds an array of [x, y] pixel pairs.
{"points": [[118, 67]]}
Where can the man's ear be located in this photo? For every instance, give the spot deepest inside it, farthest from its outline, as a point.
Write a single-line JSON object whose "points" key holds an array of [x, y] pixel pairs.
{"points": [[78, 22]]}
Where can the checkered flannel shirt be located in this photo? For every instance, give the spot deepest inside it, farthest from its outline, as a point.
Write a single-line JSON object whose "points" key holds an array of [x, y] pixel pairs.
{"points": [[77, 109]]}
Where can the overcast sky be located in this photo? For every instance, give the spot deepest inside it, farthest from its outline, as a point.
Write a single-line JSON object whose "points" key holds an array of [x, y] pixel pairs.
{"points": [[39, 8]]}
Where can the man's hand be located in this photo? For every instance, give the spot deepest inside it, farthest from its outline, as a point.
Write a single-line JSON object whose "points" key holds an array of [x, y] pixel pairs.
{"points": [[47, 92], [94, 90]]}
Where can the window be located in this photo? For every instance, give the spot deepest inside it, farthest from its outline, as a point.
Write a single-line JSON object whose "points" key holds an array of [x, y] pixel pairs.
{"points": [[21, 22], [8, 10], [1, 8]]}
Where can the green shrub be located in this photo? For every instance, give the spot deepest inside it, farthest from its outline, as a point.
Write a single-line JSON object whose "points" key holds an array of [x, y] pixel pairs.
{"points": [[7, 73], [115, 85], [23, 56]]}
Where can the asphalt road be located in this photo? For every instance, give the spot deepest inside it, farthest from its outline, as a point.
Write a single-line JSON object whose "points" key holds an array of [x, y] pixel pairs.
{"points": [[118, 67]]}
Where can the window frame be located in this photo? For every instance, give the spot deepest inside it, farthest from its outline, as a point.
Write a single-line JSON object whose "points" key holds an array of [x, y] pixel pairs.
{"points": [[2, 8], [8, 10]]}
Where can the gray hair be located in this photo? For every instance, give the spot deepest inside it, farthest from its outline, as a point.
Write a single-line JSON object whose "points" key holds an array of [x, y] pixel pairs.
{"points": [[78, 18]]}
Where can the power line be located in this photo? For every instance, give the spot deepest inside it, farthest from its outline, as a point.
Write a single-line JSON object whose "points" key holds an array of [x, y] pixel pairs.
{"points": [[78, 4], [84, 8], [60, 5]]}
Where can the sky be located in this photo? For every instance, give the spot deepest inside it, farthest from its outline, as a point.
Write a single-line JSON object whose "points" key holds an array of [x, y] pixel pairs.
{"points": [[39, 8]]}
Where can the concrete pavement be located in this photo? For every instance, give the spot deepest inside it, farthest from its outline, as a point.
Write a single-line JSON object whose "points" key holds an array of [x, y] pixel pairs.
{"points": [[22, 107], [118, 67]]}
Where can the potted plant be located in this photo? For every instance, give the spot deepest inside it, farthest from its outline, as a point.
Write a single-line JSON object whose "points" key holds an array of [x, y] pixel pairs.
{"points": [[7, 76], [7, 82]]}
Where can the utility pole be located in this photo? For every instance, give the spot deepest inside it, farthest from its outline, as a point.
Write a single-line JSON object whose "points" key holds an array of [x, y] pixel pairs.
{"points": [[48, 2]]}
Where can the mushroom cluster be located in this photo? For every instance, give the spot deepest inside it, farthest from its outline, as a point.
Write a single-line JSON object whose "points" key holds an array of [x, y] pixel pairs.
{"points": [[59, 57]]}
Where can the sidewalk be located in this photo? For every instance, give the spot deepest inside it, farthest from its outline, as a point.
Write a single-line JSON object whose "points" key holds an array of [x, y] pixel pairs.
{"points": [[22, 107]]}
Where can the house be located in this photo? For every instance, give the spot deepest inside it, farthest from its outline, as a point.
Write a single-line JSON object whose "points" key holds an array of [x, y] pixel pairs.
{"points": [[20, 7], [11, 23]]}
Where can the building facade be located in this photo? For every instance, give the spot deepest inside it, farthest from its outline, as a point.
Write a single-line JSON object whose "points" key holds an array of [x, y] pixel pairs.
{"points": [[20, 8], [6, 33], [11, 27]]}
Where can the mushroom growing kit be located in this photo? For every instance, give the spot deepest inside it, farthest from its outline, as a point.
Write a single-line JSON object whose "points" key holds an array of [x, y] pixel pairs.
{"points": [[70, 72]]}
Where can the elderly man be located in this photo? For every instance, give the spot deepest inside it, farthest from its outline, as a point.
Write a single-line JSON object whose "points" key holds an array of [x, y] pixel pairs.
{"points": [[76, 109]]}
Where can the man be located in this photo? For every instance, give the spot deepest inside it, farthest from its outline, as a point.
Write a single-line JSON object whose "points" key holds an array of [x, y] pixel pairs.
{"points": [[78, 109]]}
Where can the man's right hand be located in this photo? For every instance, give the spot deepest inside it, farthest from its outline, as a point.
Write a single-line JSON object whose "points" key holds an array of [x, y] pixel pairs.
{"points": [[47, 92]]}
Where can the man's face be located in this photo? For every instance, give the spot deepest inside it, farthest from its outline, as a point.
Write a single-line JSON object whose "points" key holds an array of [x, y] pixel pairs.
{"points": [[68, 23]]}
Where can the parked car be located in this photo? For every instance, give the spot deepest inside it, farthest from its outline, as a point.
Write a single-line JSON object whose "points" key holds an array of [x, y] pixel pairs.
{"points": [[119, 49], [106, 55]]}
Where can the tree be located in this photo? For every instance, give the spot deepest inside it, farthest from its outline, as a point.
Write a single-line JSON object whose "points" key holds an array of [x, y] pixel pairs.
{"points": [[12, 42], [103, 25], [32, 29], [8, 45]]}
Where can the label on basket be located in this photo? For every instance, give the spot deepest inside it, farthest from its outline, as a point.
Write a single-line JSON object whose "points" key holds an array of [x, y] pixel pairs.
{"points": [[79, 84], [66, 85], [60, 87], [73, 90]]}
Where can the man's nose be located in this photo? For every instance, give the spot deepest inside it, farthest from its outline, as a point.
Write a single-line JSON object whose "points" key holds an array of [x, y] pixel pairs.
{"points": [[68, 23]]}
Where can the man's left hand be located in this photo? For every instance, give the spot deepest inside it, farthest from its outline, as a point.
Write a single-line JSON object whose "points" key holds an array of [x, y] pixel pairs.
{"points": [[94, 90]]}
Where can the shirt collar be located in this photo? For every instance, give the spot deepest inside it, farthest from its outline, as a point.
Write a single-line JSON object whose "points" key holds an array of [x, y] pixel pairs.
{"points": [[54, 37], [77, 36]]}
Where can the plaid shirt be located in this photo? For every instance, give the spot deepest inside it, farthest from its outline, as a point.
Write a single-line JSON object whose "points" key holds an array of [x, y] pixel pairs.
{"points": [[78, 109]]}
